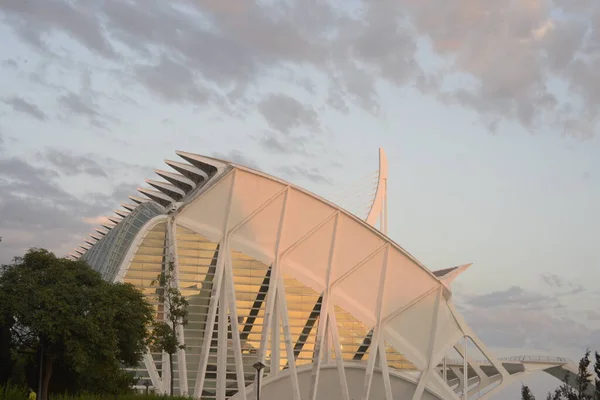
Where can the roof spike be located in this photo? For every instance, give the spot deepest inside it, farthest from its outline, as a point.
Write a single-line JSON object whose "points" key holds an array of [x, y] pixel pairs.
{"points": [[138, 200], [78, 251], [96, 237], [206, 164], [159, 197], [90, 242], [170, 190], [189, 171], [122, 213], [114, 220], [85, 246], [185, 184], [128, 206], [100, 231], [108, 227]]}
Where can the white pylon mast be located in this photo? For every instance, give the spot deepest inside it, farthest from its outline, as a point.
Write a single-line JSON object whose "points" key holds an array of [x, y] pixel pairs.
{"points": [[379, 206]]}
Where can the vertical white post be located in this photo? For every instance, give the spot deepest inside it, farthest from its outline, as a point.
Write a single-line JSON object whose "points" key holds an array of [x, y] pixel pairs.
{"points": [[275, 340], [173, 257], [385, 372], [431, 346], [335, 338], [466, 371], [377, 333], [235, 331], [323, 315], [288, 338], [445, 371], [222, 338]]}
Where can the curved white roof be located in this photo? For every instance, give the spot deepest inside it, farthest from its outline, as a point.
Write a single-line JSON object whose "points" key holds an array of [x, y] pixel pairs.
{"points": [[324, 247]]}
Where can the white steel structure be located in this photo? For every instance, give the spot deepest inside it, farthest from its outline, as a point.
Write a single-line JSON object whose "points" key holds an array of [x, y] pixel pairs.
{"points": [[332, 306]]}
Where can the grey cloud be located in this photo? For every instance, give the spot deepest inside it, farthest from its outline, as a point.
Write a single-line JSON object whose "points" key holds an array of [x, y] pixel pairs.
{"points": [[159, 79], [81, 21], [238, 157], [514, 296], [231, 46], [512, 327], [497, 60], [36, 211], [282, 144], [21, 105], [76, 104], [519, 318], [311, 173], [561, 285], [284, 113], [511, 53], [12, 64], [70, 164]]}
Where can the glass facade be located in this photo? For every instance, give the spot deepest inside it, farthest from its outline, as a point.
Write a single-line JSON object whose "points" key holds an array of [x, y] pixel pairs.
{"points": [[106, 255]]}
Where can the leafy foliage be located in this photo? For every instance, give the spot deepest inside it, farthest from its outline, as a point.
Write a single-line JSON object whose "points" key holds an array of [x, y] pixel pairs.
{"points": [[526, 393], [173, 308], [63, 313], [576, 387]]}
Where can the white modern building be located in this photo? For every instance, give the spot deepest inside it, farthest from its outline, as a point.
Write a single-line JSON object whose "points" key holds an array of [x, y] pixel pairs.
{"points": [[331, 306]]}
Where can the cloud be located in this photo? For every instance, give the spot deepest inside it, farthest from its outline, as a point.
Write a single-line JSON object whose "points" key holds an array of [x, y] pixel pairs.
{"points": [[517, 297], [32, 20], [77, 105], [237, 157], [284, 113], [36, 211], [562, 285], [11, 64], [67, 163], [520, 318], [513, 327], [23, 106], [158, 79], [312, 174], [274, 142], [70, 165], [534, 62]]}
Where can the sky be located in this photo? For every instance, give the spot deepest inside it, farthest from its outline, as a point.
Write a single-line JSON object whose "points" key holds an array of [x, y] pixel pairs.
{"points": [[488, 111]]}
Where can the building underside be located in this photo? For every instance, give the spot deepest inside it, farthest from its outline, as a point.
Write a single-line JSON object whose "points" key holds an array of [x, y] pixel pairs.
{"points": [[324, 299]]}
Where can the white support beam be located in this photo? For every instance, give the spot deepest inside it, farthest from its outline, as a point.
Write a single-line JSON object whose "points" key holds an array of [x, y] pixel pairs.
{"points": [[385, 371], [377, 332], [288, 338], [272, 309], [173, 257], [222, 338], [323, 315], [154, 376], [235, 330], [430, 348], [339, 358], [215, 295], [466, 370]]}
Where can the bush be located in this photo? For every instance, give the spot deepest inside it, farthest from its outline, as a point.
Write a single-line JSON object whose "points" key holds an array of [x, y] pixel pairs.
{"points": [[11, 392]]}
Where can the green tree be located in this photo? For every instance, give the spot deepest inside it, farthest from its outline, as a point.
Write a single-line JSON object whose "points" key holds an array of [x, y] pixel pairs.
{"points": [[576, 388], [63, 315], [173, 312], [526, 393]]}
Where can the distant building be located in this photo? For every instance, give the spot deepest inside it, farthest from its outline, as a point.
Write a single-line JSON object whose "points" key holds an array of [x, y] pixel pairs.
{"points": [[330, 305]]}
